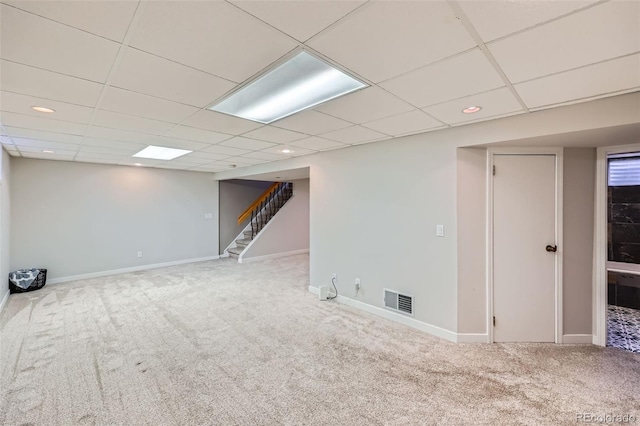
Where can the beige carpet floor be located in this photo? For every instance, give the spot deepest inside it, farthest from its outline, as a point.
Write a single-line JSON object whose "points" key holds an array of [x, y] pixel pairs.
{"points": [[222, 343]]}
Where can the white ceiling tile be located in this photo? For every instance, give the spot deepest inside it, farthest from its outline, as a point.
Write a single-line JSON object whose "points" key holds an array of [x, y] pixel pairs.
{"points": [[245, 161], [178, 143], [112, 149], [493, 19], [49, 85], [206, 157], [145, 73], [354, 134], [225, 150], [116, 145], [311, 122], [462, 75], [210, 167], [237, 45], [223, 123], [274, 134], [299, 19], [245, 143], [118, 135], [294, 151], [45, 156], [127, 102], [582, 83], [596, 34], [21, 104], [108, 19], [38, 123], [496, 102], [82, 154], [394, 37], [260, 155], [317, 144], [43, 136], [365, 105], [38, 150], [116, 120], [35, 143], [200, 135], [406, 123], [67, 50], [82, 159]]}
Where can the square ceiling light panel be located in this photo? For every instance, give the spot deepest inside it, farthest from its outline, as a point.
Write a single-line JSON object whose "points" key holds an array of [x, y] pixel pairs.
{"points": [[300, 83], [161, 153]]}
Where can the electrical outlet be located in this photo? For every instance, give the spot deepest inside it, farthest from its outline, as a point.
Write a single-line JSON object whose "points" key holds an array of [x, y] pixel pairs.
{"points": [[139, 254], [357, 283]]}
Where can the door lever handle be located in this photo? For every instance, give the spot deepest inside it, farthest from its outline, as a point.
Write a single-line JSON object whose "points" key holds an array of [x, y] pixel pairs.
{"points": [[551, 249]]}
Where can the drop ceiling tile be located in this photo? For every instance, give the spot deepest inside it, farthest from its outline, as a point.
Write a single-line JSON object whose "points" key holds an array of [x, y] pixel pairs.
{"points": [[446, 80], [496, 102], [311, 122], [118, 135], [43, 136], [200, 135], [49, 85], [127, 102], [83, 159], [67, 50], [82, 154], [226, 150], [10, 148], [38, 150], [206, 157], [237, 45], [145, 73], [596, 34], [393, 38], [317, 144], [38, 123], [112, 150], [178, 143], [217, 122], [494, 19], [108, 19], [44, 156], [274, 134], [295, 151], [406, 123], [300, 20], [35, 143], [210, 168], [245, 143], [354, 134], [582, 83], [365, 105], [245, 161], [260, 155], [21, 104], [116, 120], [128, 147]]}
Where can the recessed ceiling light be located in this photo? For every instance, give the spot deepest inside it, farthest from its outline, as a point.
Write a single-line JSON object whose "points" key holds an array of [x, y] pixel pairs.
{"points": [[300, 83], [48, 151], [286, 151], [137, 164], [42, 109], [161, 153], [471, 109]]}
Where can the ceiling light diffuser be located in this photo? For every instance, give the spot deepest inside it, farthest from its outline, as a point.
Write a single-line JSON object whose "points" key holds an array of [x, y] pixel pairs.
{"points": [[161, 153], [286, 151], [48, 151], [42, 109], [300, 83], [471, 109]]}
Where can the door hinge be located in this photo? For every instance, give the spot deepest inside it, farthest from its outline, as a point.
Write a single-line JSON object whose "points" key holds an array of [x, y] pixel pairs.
{"points": [[494, 170], [494, 321]]}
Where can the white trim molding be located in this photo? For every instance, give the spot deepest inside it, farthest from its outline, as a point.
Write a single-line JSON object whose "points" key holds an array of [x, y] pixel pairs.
{"points": [[402, 319], [271, 256], [4, 300], [577, 339], [473, 338], [127, 270]]}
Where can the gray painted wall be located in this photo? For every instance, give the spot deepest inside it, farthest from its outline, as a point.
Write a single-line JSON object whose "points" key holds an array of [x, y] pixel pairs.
{"points": [[79, 218], [288, 230], [235, 196], [5, 221]]}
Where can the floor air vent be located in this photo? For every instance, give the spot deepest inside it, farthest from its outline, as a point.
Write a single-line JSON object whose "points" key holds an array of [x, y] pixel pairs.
{"points": [[398, 302]]}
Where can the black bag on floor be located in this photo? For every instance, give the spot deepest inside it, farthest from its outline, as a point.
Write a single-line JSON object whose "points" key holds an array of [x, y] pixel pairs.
{"points": [[24, 280]]}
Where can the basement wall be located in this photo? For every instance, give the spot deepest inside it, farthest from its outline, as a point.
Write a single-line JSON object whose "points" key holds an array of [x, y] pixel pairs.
{"points": [[82, 218]]}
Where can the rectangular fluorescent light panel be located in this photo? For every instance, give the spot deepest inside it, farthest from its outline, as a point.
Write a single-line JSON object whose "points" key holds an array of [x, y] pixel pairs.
{"points": [[301, 82], [161, 153]]}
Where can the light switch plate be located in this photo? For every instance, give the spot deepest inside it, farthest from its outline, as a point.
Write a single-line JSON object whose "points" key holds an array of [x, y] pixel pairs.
{"points": [[439, 230]]}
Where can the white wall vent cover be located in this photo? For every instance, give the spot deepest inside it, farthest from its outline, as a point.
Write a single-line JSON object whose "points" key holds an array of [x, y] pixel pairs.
{"points": [[398, 302]]}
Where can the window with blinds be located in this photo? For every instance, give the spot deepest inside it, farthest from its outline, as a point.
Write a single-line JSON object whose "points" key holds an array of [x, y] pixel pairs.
{"points": [[624, 170]]}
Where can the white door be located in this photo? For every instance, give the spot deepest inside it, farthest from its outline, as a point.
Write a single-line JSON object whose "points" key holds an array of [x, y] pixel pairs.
{"points": [[524, 224]]}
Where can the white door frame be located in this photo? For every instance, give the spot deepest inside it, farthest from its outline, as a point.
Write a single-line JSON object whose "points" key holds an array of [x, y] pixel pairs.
{"points": [[600, 264], [558, 152]]}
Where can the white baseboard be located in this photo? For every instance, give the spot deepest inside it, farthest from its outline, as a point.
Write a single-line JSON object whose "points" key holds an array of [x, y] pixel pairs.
{"points": [[271, 256], [4, 300], [577, 338], [473, 338], [127, 270], [419, 325]]}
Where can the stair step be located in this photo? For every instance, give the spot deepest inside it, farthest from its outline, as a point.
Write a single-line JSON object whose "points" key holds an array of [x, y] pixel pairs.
{"points": [[235, 250], [243, 242]]}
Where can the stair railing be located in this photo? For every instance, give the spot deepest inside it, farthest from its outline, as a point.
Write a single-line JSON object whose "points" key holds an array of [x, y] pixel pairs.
{"points": [[267, 205]]}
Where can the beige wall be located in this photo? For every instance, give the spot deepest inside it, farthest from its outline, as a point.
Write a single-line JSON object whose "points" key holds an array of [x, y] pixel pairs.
{"points": [[472, 241], [579, 191], [5, 221]]}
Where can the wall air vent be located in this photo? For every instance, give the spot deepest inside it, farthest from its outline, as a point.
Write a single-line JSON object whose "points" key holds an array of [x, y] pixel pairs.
{"points": [[398, 302]]}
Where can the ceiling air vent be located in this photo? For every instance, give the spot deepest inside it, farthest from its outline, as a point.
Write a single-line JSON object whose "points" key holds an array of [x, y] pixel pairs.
{"points": [[398, 302]]}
